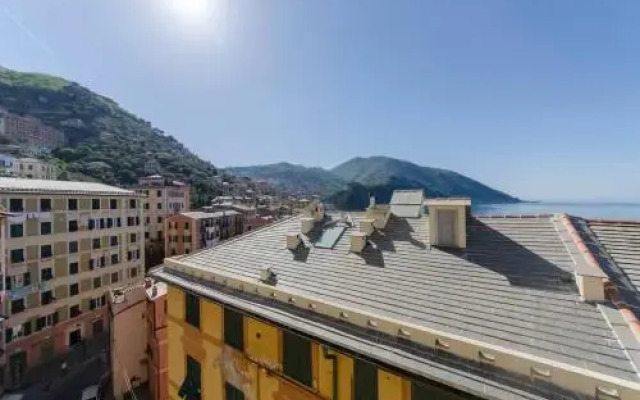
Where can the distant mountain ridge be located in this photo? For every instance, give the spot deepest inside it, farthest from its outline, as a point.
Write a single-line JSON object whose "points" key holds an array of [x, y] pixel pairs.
{"points": [[347, 186]]}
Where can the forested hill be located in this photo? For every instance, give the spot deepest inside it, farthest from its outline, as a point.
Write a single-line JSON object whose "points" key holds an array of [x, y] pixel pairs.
{"points": [[105, 141]]}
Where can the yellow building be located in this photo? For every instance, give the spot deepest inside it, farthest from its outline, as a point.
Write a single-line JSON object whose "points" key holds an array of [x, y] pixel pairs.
{"points": [[378, 306]]}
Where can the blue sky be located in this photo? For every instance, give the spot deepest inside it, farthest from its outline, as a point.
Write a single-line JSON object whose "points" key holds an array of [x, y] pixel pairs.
{"points": [[539, 98]]}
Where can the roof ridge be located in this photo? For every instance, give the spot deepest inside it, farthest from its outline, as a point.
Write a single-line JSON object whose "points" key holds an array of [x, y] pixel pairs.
{"points": [[613, 221]]}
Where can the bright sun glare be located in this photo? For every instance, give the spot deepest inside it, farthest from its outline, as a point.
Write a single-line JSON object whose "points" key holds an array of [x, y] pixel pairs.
{"points": [[191, 10]]}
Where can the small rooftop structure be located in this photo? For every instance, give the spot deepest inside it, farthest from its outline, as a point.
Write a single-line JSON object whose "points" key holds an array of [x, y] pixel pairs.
{"points": [[204, 215], [407, 203]]}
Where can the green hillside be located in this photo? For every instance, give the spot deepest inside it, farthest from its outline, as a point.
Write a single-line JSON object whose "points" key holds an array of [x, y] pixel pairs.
{"points": [[106, 142], [386, 174], [347, 186], [293, 178]]}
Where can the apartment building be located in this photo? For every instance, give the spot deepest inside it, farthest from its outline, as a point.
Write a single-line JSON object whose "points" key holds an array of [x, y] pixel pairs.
{"points": [[32, 168], [164, 198], [67, 244], [30, 133], [376, 306], [139, 350], [188, 232]]}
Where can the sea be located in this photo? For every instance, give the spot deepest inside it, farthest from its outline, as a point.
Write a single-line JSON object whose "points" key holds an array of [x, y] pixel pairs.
{"points": [[623, 211]]}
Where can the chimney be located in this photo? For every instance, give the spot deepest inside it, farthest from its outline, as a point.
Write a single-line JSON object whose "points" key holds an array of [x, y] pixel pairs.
{"points": [[380, 214], [366, 226], [358, 242], [154, 291], [306, 224], [293, 240], [448, 221]]}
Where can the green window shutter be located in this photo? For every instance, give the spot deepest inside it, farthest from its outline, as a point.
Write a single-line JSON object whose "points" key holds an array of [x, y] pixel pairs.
{"points": [[365, 381], [233, 329], [192, 309], [296, 357], [191, 387], [232, 393]]}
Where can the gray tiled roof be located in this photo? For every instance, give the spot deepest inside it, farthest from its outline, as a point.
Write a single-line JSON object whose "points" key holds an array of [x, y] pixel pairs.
{"points": [[203, 215], [18, 185], [513, 286], [622, 242]]}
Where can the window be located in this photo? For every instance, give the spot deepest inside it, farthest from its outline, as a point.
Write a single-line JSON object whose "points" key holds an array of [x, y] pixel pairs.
{"points": [[365, 380], [133, 238], [26, 328], [45, 205], [103, 261], [186, 225], [74, 311], [296, 357], [146, 235], [95, 243], [113, 240], [159, 220], [73, 247], [233, 329], [73, 226], [186, 239], [160, 236], [159, 206], [191, 387], [146, 206], [15, 205], [132, 203], [109, 223], [17, 256], [137, 221], [134, 272], [74, 289], [159, 193], [16, 230], [17, 306], [73, 268], [92, 264], [45, 251], [148, 220], [113, 204], [102, 223], [187, 251], [114, 259], [97, 282], [45, 228], [26, 279], [192, 310], [46, 274], [118, 222], [92, 224], [95, 204], [114, 277], [72, 204], [173, 252], [46, 297], [232, 393]]}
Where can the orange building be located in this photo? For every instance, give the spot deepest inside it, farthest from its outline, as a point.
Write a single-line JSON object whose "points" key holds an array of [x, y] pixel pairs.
{"points": [[139, 351], [188, 232]]}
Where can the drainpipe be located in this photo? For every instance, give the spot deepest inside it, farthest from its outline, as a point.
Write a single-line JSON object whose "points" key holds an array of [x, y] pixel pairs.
{"points": [[334, 363]]}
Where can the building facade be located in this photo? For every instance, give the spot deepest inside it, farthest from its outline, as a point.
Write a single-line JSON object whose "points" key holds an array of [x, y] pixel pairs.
{"points": [[32, 168], [7, 165], [188, 232], [164, 198], [30, 133], [376, 305], [67, 244], [139, 351]]}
